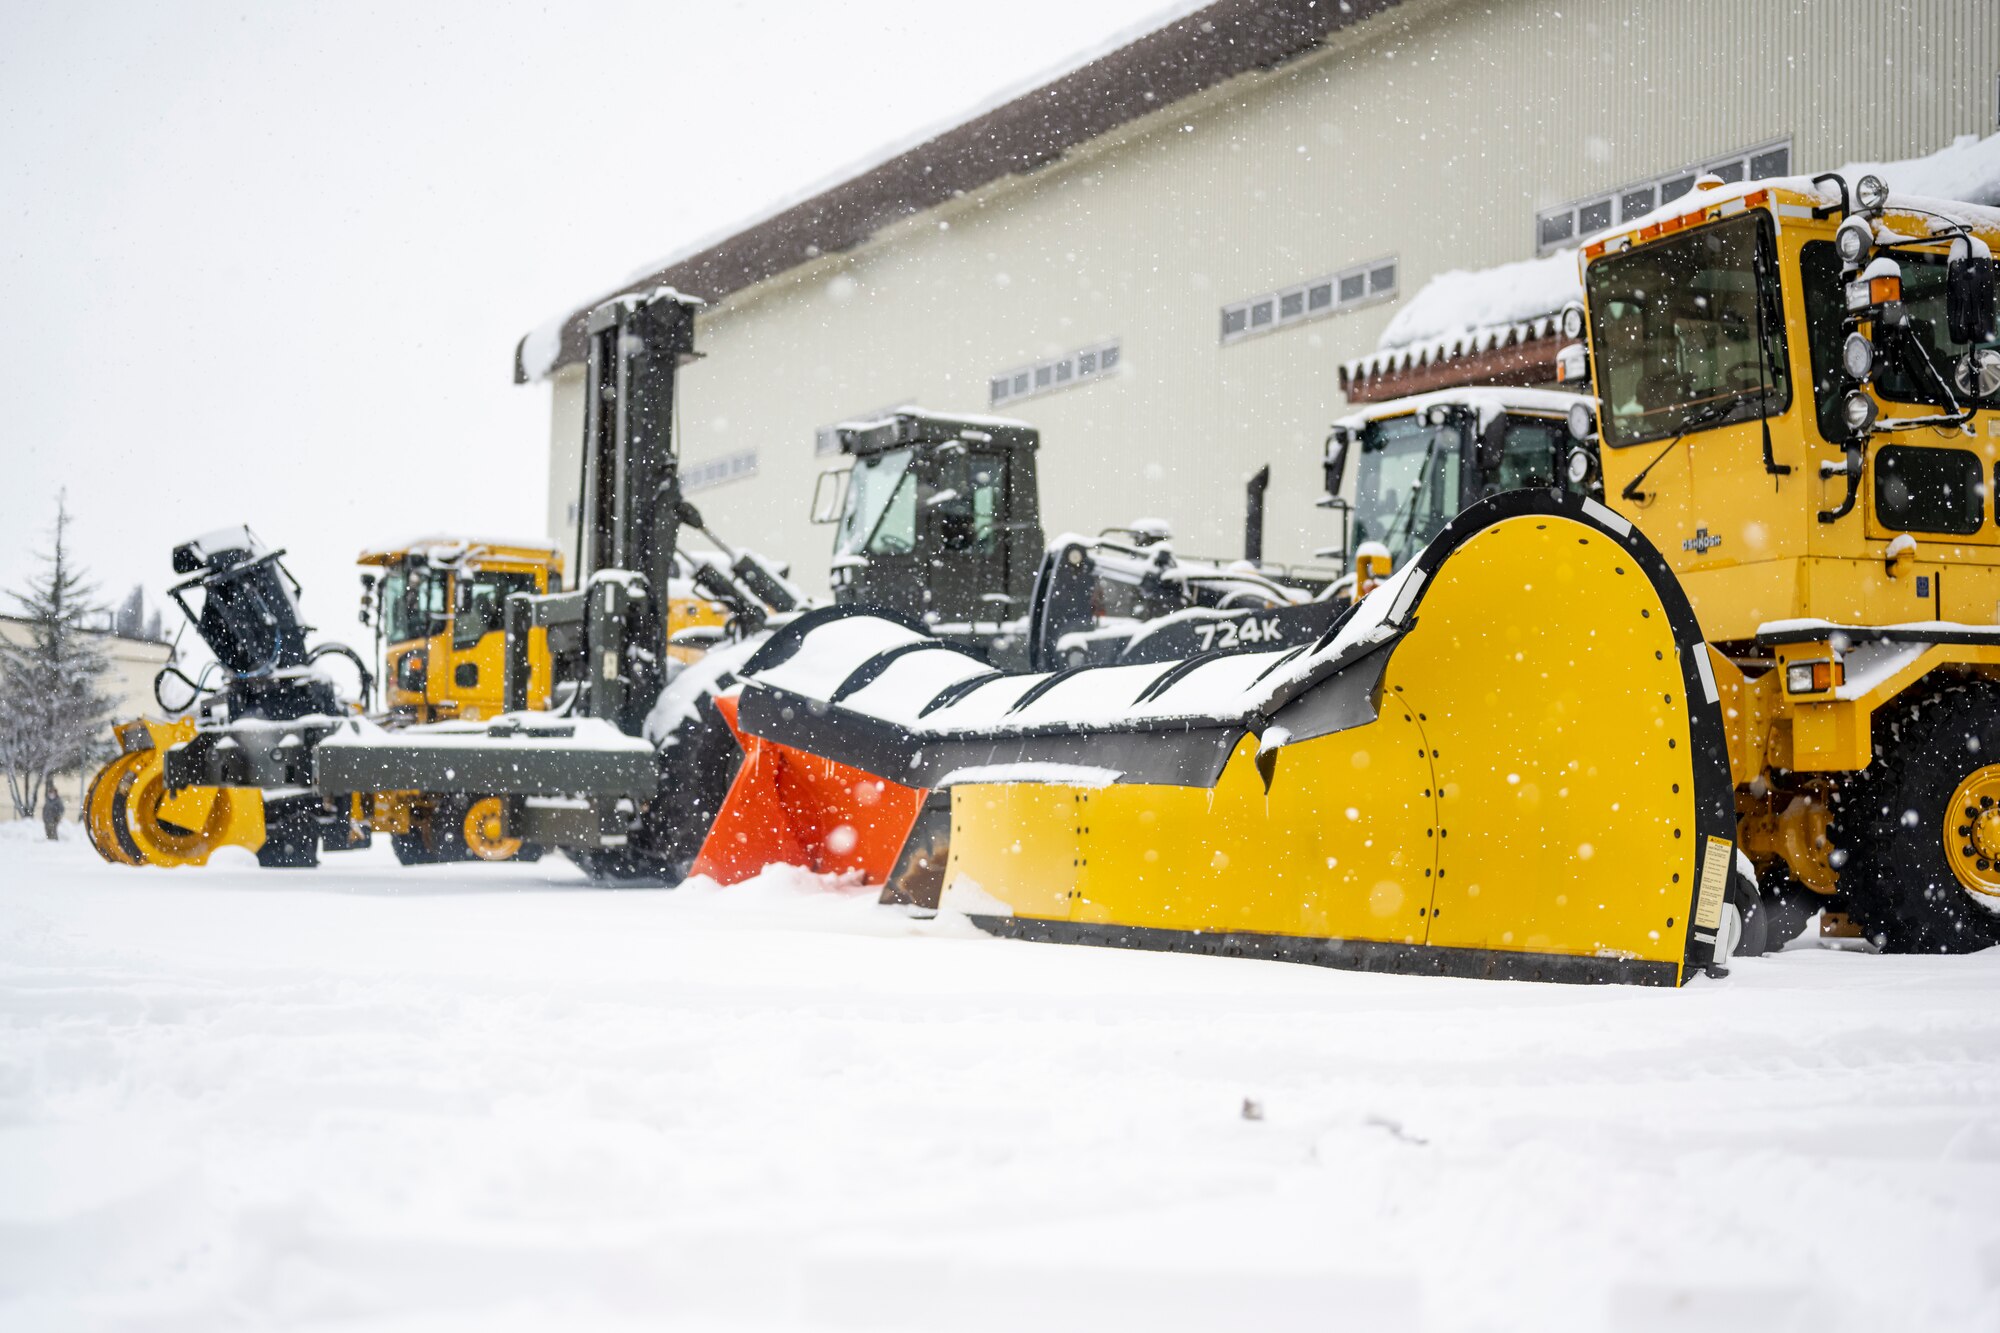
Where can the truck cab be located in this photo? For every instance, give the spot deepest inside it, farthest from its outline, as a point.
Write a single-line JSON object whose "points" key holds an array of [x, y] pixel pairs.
{"points": [[937, 518], [439, 607], [1405, 468], [1798, 395]]}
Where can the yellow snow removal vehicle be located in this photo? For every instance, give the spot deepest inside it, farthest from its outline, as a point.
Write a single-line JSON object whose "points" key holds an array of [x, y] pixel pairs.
{"points": [[437, 605], [1798, 399]]}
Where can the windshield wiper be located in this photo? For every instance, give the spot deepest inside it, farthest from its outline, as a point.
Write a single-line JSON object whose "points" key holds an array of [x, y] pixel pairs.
{"points": [[1715, 413]]}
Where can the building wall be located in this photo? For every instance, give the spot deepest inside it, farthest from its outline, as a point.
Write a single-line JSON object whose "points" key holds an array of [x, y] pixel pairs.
{"points": [[134, 663], [1433, 133]]}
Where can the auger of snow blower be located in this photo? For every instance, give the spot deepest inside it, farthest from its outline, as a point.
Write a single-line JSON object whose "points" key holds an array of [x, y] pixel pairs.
{"points": [[238, 771], [1508, 761]]}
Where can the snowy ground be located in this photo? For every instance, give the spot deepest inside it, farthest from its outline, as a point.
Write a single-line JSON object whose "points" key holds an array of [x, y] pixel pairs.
{"points": [[494, 1098]]}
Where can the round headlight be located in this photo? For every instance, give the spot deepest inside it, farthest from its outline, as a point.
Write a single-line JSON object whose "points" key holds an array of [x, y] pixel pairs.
{"points": [[1857, 356], [1858, 411], [1437, 416], [1572, 322], [1871, 192], [1853, 240], [1580, 421], [1579, 466]]}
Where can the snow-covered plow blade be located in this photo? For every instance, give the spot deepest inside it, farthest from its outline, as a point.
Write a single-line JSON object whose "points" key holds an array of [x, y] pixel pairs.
{"points": [[1508, 761]]}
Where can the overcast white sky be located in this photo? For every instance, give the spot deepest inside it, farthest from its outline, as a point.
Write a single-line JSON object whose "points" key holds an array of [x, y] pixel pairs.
{"points": [[268, 263]]}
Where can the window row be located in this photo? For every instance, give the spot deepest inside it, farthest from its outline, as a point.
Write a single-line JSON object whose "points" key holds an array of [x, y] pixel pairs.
{"points": [[1062, 372], [1570, 223], [1358, 285], [713, 472]]}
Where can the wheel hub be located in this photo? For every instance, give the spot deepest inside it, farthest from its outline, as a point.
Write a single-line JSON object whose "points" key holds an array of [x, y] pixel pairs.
{"points": [[1972, 832], [484, 836]]}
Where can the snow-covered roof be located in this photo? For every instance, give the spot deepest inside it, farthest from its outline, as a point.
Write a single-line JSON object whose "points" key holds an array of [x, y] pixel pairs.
{"points": [[1487, 400], [1466, 311], [444, 548]]}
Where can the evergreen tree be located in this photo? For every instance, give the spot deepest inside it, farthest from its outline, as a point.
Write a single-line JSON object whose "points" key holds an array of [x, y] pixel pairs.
{"points": [[53, 710]]}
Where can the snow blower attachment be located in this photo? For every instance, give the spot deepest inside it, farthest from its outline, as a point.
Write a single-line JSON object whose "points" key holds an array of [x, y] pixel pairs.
{"points": [[1508, 761], [238, 774]]}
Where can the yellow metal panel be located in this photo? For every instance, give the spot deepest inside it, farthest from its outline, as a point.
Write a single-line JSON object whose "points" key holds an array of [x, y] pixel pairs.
{"points": [[1568, 818], [1341, 847], [1018, 844]]}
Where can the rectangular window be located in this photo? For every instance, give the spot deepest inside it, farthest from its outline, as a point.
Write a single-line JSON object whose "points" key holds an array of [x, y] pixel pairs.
{"points": [[1776, 162], [1566, 223], [1060, 372], [712, 472], [1920, 489], [1359, 284]]}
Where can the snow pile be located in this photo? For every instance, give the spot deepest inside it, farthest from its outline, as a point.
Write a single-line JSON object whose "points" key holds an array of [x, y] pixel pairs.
{"points": [[1467, 311], [370, 1098], [1967, 170]]}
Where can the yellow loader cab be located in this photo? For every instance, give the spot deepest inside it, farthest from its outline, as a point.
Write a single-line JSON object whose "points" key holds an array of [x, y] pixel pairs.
{"points": [[1399, 471], [439, 606], [1798, 399]]}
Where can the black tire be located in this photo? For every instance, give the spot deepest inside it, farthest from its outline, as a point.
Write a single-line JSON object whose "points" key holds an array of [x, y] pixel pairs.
{"points": [[1789, 906], [1890, 821], [411, 849], [291, 837], [620, 867], [1755, 941], [697, 768]]}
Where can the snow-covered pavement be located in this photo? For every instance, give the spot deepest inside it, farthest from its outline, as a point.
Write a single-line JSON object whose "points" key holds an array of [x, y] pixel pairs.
{"points": [[492, 1097]]}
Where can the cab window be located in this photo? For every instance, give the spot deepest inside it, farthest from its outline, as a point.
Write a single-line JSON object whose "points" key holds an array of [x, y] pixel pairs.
{"points": [[482, 604], [966, 506], [413, 600], [1528, 452], [1689, 333], [1920, 489]]}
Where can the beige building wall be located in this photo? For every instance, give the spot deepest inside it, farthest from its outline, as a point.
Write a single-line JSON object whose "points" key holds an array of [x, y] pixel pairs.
{"points": [[134, 663], [1432, 134]]}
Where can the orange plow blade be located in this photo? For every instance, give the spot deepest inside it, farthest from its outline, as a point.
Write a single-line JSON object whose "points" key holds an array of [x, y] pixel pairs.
{"points": [[787, 807]]}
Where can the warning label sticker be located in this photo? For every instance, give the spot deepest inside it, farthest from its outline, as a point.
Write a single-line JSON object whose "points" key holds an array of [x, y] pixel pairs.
{"points": [[1715, 858]]}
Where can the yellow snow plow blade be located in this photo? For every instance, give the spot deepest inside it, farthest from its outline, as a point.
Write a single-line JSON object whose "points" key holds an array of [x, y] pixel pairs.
{"points": [[133, 820], [1507, 761]]}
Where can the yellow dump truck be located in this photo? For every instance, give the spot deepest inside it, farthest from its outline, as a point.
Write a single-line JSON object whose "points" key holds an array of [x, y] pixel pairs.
{"points": [[1797, 398]]}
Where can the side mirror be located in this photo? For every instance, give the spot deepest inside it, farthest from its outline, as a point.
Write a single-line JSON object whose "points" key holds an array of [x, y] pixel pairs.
{"points": [[1969, 298], [1493, 443], [1338, 440]]}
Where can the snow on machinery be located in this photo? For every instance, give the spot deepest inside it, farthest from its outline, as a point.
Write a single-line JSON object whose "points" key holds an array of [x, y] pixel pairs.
{"points": [[1507, 761], [938, 518]]}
